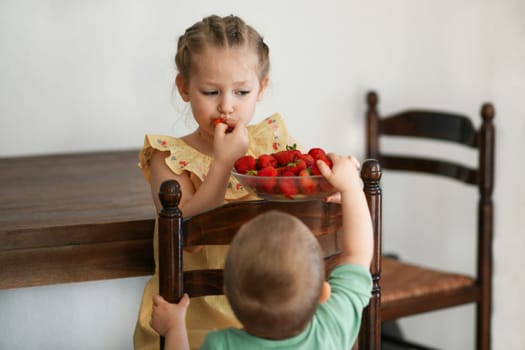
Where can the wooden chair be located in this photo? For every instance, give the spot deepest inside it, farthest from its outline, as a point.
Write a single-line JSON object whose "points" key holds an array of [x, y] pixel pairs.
{"points": [[218, 226], [409, 288]]}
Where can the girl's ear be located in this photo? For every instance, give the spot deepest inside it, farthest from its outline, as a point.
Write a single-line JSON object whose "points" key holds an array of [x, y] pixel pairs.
{"points": [[182, 87], [264, 85], [326, 291]]}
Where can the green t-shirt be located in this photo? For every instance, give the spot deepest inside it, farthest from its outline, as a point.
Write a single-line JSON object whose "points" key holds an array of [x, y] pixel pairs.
{"points": [[335, 324]]}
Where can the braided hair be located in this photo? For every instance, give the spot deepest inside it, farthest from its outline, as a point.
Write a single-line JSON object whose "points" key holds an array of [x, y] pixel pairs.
{"points": [[219, 32]]}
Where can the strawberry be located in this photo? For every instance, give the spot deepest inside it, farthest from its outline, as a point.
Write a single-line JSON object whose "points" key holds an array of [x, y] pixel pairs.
{"points": [[308, 159], [325, 186], [306, 184], [287, 187], [316, 152], [315, 169], [245, 164], [267, 184], [287, 156], [219, 120], [319, 154], [296, 166], [266, 160], [286, 172]]}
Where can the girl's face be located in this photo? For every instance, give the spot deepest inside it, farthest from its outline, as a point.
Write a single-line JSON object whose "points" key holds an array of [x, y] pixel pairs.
{"points": [[223, 83]]}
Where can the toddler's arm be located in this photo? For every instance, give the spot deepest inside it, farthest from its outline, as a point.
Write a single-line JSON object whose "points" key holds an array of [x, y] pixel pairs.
{"points": [[169, 321], [357, 242]]}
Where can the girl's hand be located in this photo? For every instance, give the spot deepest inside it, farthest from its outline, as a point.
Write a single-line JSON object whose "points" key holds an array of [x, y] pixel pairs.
{"points": [[228, 147], [166, 316]]}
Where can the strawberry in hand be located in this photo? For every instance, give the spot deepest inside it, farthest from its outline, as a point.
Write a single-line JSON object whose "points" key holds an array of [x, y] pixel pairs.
{"points": [[319, 154], [222, 120]]}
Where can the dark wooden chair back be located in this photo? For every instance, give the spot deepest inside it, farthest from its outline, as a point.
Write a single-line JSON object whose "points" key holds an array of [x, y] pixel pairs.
{"points": [[408, 288], [219, 226]]}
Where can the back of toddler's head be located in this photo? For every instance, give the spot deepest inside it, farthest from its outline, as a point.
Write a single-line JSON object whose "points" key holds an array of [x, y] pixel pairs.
{"points": [[273, 275]]}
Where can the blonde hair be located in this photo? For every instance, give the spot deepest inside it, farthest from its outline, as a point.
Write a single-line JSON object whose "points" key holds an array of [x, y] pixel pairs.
{"points": [[273, 275], [219, 32]]}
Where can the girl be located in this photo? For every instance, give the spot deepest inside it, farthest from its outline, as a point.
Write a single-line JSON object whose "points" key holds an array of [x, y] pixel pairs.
{"points": [[223, 67]]}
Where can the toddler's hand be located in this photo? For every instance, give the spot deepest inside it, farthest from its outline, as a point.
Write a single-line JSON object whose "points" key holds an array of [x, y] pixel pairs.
{"points": [[167, 316], [228, 147], [344, 174]]}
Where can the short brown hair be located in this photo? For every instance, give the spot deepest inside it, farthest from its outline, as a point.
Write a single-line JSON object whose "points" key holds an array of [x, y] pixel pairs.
{"points": [[273, 275], [219, 32]]}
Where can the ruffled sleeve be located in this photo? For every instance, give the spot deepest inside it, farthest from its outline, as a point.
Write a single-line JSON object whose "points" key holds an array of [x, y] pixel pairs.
{"points": [[181, 156]]}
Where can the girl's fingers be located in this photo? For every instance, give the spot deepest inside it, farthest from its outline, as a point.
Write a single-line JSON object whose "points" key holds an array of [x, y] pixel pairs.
{"points": [[220, 129]]}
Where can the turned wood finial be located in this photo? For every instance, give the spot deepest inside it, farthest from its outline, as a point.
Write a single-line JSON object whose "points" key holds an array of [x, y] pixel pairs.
{"points": [[371, 170], [372, 99], [487, 112], [170, 195]]}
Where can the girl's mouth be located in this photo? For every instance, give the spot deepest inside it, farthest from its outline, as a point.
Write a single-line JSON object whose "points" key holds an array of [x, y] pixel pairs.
{"points": [[219, 120]]}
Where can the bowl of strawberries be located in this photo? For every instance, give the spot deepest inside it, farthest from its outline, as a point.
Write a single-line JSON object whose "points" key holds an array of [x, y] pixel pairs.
{"points": [[284, 175]]}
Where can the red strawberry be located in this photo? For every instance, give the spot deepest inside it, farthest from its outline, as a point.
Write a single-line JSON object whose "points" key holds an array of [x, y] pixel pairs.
{"points": [[319, 154], [308, 159], [306, 184], [245, 164], [268, 171], [287, 156], [280, 170], [267, 184], [316, 152], [266, 160], [219, 120], [325, 186], [296, 166], [315, 169], [287, 187]]}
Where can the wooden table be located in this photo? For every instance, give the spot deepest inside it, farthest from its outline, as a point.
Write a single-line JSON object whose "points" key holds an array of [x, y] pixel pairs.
{"points": [[71, 218]]}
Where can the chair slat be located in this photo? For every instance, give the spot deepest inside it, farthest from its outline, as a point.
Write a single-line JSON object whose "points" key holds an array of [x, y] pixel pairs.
{"points": [[321, 217], [435, 125], [203, 282], [430, 166]]}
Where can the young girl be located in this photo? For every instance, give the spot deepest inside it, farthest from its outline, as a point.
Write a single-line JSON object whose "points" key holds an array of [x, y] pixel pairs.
{"points": [[223, 67]]}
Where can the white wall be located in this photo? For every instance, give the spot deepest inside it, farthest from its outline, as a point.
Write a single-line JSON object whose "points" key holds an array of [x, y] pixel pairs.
{"points": [[96, 75]]}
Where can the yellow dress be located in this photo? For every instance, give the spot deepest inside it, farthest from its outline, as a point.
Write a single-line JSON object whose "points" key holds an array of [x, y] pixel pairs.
{"points": [[210, 312]]}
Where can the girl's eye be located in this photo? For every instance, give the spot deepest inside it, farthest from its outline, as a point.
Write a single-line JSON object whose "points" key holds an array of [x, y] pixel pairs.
{"points": [[243, 92], [210, 93]]}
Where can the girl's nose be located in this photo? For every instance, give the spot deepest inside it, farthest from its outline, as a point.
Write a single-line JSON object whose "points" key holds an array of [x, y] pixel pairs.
{"points": [[225, 105]]}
